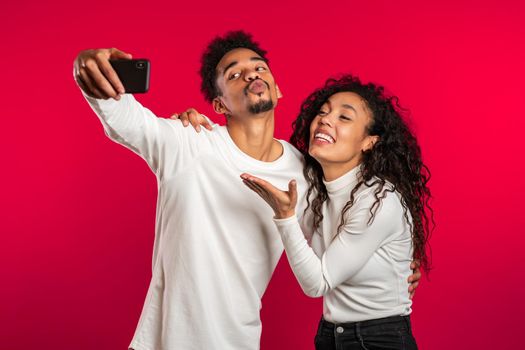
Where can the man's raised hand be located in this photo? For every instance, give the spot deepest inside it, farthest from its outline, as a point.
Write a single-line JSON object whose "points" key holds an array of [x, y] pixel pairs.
{"points": [[95, 75]]}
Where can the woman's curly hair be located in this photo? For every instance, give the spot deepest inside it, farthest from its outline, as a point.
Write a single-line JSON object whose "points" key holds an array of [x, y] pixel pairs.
{"points": [[394, 159]]}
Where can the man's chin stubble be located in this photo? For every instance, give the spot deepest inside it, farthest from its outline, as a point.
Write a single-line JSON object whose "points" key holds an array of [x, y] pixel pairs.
{"points": [[261, 106]]}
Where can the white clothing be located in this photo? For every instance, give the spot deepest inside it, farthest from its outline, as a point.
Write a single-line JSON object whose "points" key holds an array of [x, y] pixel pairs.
{"points": [[362, 272], [215, 245]]}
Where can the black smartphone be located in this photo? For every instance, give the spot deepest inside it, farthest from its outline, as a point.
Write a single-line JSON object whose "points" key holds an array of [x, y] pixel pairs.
{"points": [[134, 74]]}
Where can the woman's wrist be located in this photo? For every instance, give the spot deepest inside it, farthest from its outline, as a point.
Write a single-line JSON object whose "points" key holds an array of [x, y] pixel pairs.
{"points": [[284, 214]]}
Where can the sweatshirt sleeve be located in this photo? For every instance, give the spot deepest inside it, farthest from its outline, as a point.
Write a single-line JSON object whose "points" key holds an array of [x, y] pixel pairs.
{"points": [[347, 253], [130, 124]]}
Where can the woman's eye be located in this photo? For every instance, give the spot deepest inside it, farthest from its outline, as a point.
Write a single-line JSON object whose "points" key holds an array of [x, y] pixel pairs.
{"points": [[234, 76], [344, 117], [321, 113]]}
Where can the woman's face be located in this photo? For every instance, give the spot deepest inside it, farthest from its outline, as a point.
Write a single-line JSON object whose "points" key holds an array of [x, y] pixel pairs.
{"points": [[338, 133]]}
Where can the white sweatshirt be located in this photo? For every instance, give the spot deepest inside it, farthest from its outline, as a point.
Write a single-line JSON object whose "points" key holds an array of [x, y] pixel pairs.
{"points": [[215, 243], [362, 272]]}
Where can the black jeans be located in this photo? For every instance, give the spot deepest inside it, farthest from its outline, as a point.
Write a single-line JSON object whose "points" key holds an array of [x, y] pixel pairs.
{"points": [[383, 333]]}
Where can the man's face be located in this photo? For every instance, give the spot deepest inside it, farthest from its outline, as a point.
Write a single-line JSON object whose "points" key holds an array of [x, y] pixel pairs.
{"points": [[245, 83]]}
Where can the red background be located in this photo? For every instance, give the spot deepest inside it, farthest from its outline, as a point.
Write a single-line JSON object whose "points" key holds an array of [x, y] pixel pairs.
{"points": [[77, 211]]}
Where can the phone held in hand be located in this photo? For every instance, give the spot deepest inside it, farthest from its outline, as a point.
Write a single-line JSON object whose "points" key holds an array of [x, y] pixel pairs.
{"points": [[134, 74]]}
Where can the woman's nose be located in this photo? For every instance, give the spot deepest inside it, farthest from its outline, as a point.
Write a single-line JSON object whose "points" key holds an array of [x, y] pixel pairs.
{"points": [[325, 120]]}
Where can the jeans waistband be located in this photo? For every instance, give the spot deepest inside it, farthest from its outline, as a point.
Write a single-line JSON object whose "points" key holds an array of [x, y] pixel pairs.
{"points": [[373, 326]]}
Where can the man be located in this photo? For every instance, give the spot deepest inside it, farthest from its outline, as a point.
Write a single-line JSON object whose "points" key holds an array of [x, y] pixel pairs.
{"points": [[215, 245]]}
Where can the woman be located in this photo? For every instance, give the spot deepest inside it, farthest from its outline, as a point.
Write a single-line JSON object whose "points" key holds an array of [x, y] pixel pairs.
{"points": [[367, 202]]}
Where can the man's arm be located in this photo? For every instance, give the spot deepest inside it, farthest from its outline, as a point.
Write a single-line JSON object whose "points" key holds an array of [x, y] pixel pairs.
{"points": [[124, 119]]}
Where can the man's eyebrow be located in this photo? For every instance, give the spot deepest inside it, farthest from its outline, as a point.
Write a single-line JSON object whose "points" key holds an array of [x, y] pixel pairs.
{"points": [[257, 58], [233, 63], [229, 66]]}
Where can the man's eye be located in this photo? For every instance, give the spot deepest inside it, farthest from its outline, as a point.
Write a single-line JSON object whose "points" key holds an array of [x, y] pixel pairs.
{"points": [[260, 69], [234, 76]]}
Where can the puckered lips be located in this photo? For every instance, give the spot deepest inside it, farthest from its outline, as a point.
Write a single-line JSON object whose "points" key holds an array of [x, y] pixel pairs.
{"points": [[323, 137], [257, 87]]}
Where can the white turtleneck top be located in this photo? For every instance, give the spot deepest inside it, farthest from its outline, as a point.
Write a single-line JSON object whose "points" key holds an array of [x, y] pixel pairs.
{"points": [[362, 271]]}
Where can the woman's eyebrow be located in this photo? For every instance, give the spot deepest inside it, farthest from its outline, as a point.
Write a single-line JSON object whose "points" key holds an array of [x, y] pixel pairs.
{"points": [[347, 106]]}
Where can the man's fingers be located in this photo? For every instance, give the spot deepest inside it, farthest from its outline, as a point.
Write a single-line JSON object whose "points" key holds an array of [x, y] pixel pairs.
{"points": [[83, 86], [175, 116], [118, 54], [107, 70], [99, 80], [97, 75], [92, 90]]}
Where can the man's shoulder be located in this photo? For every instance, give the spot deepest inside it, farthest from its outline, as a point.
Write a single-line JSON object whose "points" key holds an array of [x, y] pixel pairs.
{"points": [[291, 150], [188, 131]]}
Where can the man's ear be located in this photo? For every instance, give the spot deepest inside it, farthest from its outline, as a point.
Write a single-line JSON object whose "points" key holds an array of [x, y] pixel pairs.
{"points": [[219, 107], [279, 93], [370, 142]]}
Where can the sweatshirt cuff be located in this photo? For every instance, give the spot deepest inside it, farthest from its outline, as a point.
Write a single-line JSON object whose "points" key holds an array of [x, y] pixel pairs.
{"points": [[284, 222], [288, 227], [105, 103]]}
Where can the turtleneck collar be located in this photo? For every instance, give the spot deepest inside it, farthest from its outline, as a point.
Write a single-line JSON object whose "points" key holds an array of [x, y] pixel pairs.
{"points": [[345, 181]]}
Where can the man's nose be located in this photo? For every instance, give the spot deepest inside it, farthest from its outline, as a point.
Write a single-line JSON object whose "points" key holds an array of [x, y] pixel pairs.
{"points": [[252, 75]]}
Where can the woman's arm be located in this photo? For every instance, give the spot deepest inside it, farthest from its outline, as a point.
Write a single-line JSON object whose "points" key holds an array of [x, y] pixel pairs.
{"points": [[347, 253]]}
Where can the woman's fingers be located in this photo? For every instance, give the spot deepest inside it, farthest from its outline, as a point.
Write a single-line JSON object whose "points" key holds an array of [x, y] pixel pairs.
{"points": [[412, 289], [193, 116], [254, 188], [198, 120], [256, 185], [280, 198], [206, 123], [184, 118], [415, 264], [292, 192], [257, 188], [282, 202]]}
